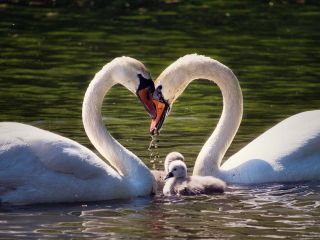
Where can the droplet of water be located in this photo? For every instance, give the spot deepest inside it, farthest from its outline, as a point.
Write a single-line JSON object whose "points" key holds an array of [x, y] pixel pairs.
{"points": [[154, 153]]}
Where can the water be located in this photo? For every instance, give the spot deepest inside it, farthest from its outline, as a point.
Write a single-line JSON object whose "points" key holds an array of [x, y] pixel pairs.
{"points": [[49, 54], [258, 212]]}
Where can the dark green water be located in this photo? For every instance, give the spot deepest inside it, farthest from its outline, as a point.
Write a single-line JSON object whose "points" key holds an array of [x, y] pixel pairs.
{"points": [[48, 55]]}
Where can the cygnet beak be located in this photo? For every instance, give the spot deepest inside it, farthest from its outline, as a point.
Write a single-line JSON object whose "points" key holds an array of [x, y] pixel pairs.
{"points": [[169, 175]]}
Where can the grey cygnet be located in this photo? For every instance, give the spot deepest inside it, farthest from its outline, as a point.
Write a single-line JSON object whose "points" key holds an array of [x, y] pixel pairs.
{"points": [[178, 183], [160, 175]]}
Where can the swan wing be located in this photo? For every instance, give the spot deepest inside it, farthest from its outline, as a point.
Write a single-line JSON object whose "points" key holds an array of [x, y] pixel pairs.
{"points": [[27, 151], [38, 166], [289, 151]]}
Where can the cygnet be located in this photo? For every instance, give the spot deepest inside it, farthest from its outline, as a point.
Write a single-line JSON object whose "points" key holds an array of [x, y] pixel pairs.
{"points": [[160, 175], [178, 183]]}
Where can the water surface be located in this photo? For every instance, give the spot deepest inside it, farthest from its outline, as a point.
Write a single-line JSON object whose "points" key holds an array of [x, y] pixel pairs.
{"points": [[50, 53]]}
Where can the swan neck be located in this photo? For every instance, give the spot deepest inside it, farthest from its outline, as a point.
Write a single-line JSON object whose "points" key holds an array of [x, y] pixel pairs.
{"points": [[210, 157], [124, 161], [192, 67]]}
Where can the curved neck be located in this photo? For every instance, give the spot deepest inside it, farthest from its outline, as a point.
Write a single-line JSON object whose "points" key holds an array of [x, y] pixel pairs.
{"points": [[210, 157], [199, 67], [123, 160]]}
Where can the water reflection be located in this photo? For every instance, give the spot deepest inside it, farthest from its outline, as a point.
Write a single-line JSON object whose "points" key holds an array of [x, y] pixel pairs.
{"points": [[264, 211], [49, 54]]}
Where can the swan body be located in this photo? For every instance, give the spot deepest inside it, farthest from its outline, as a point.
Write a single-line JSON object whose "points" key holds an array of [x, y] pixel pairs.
{"points": [[37, 166], [178, 183], [288, 152]]}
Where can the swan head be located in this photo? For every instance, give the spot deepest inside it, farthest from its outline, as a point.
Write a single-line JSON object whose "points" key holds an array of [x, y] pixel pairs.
{"points": [[162, 109], [177, 169], [144, 93], [124, 68], [171, 157], [169, 86]]}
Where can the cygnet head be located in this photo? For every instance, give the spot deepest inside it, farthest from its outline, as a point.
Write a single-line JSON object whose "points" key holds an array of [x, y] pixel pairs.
{"points": [[177, 169], [173, 156]]}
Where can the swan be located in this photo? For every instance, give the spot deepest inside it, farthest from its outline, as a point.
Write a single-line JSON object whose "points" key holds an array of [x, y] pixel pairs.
{"points": [[159, 175], [37, 166], [178, 183], [288, 152]]}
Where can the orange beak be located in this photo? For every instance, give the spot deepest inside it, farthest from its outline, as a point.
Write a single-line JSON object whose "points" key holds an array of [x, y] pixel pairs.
{"points": [[145, 97], [156, 123]]}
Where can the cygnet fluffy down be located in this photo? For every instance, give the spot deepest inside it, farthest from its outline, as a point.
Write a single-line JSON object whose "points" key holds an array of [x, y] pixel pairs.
{"points": [[178, 183], [160, 175]]}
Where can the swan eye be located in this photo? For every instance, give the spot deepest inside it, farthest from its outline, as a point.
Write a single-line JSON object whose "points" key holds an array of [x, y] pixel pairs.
{"points": [[157, 95], [174, 169]]}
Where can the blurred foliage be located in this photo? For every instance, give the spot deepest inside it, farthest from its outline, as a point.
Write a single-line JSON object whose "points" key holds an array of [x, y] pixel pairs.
{"points": [[88, 3], [92, 4]]}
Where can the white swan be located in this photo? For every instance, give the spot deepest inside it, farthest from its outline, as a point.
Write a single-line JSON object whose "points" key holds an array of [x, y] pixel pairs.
{"points": [[37, 166], [288, 152]]}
